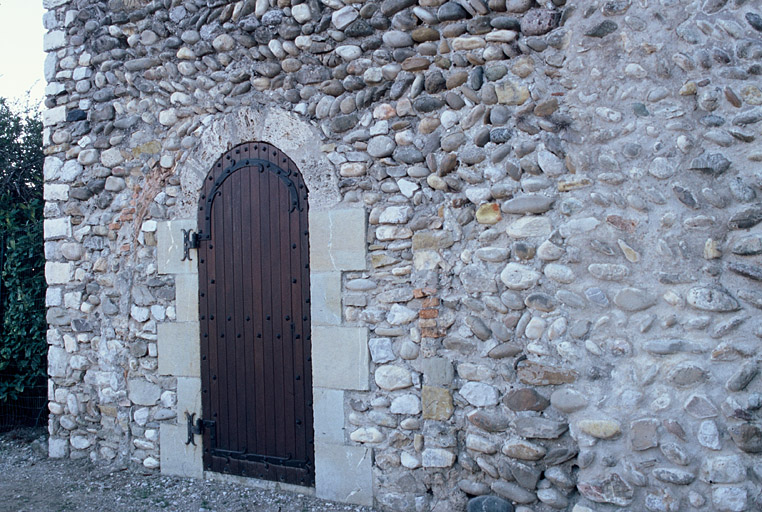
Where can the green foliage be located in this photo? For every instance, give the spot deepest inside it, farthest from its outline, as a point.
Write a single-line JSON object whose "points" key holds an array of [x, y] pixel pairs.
{"points": [[23, 345]]}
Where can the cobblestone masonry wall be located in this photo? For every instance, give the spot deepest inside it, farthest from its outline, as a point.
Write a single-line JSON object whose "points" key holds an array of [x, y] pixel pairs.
{"points": [[564, 246]]}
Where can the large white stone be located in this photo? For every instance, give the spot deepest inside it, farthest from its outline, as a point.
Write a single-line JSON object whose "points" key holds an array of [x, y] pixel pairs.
{"points": [[723, 470], [49, 67], [409, 460], [370, 435], [344, 473], [325, 292], [399, 315], [578, 226], [391, 377], [550, 163], [343, 17], [301, 13], [88, 156], [53, 116], [348, 52], [223, 43], [406, 404], [186, 293], [337, 240], [55, 192], [381, 350], [57, 273], [58, 362], [519, 277], [559, 273], [57, 448], [395, 215], [80, 442], [53, 40], [340, 357], [328, 413], [730, 499], [178, 458], [479, 394], [168, 117], [530, 226], [56, 228], [437, 458], [390, 232], [51, 170], [178, 349], [169, 253], [140, 313], [188, 395], [142, 392], [112, 157], [535, 328]]}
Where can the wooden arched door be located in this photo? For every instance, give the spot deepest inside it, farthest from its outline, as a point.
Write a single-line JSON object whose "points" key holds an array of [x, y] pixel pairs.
{"points": [[255, 317]]}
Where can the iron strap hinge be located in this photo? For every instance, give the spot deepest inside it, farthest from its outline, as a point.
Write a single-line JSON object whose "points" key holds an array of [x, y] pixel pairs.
{"points": [[197, 428], [190, 241]]}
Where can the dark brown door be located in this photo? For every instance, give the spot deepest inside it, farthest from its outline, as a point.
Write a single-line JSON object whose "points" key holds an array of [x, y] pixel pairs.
{"points": [[255, 322]]}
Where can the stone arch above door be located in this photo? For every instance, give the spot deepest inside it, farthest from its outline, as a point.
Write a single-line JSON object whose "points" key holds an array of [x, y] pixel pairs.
{"points": [[293, 136]]}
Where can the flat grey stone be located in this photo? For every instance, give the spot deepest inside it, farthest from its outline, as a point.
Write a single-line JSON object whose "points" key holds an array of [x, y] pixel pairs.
{"points": [[714, 164], [539, 428], [634, 299], [528, 203], [602, 29], [711, 299], [452, 11], [674, 476], [746, 218], [513, 492], [488, 504]]}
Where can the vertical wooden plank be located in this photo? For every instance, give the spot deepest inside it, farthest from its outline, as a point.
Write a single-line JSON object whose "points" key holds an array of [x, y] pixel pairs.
{"points": [[203, 315], [286, 418], [278, 396], [236, 325], [217, 277], [288, 294], [257, 312], [248, 281], [306, 359], [266, 274], [221, 220], [295, 340]]}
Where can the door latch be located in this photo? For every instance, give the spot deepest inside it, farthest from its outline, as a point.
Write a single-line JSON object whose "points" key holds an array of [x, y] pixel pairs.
{"points": [[190, 241], [198, 428]]}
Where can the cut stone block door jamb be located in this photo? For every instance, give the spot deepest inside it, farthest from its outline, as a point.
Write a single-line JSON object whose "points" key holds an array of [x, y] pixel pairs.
{"points": [[340, 358]]}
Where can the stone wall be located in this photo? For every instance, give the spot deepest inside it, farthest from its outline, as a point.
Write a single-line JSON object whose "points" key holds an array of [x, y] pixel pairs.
{"points": [[561, 286]]}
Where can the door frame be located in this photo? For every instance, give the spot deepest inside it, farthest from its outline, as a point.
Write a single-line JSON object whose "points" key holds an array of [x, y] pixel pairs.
{"points": [[343, 469]]}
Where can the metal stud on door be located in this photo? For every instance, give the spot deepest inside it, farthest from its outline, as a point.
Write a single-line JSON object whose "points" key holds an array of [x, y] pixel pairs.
{"points": [[255, 317]]}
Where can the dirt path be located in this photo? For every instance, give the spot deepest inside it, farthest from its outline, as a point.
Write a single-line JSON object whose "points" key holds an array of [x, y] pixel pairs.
{"points": [[29, 481]]}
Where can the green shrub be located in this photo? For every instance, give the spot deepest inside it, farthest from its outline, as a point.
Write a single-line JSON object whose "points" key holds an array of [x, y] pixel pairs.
{"points": [[23, 344]]}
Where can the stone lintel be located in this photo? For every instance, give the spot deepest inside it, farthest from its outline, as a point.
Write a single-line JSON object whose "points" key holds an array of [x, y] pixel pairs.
{"points": [[178, 458], [328, 413], [169, 250], [344, 473], [340, 357], [325, 292], [186, 297], [337, 240], [179, 351], [188, 397]]}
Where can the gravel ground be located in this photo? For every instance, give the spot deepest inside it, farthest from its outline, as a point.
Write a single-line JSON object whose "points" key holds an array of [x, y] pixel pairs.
{"points": [[29, 481]]}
